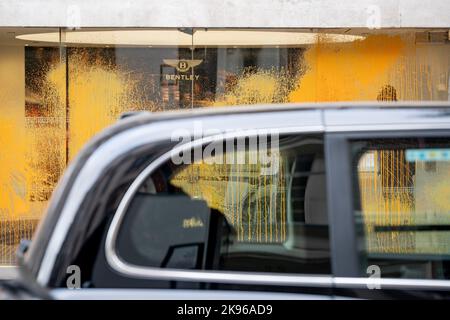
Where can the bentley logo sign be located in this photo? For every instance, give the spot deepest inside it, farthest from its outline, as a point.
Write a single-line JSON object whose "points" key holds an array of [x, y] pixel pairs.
{"points": [[182, 65]]}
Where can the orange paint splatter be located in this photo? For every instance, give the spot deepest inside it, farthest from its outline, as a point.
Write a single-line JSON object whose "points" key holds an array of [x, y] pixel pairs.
{"points": [[347, 71]]}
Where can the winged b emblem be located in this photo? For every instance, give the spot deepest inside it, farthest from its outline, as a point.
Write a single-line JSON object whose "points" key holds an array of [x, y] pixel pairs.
{"points": [[182, 65]]}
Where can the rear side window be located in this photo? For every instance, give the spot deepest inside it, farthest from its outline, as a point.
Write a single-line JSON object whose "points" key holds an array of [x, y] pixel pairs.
{"points": [[261, 210], [402, 208]]}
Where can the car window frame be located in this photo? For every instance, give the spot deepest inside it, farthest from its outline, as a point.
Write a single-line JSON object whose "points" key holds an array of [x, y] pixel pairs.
{"points": [[346, 259], [154, 273]]}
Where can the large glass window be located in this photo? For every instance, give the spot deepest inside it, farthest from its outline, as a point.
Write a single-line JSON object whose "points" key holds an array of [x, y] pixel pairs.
{"points": [[59, 87], [403, 206], [32, 134], [235, 212]]}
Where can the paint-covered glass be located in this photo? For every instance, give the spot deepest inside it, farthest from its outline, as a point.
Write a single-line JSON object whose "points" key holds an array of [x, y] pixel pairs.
{"points": [[402, 191]]}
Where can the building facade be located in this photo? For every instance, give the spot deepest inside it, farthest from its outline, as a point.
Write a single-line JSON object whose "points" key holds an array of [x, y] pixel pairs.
{"points": [[68, 69]]}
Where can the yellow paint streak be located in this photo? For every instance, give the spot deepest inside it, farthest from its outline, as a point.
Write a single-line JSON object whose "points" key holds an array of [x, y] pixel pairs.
{"points": [[255, 87], [14, 168], [98, 94]]}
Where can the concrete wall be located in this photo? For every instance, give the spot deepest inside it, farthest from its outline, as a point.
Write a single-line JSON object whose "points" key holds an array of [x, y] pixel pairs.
{"points": [[226, 13]]}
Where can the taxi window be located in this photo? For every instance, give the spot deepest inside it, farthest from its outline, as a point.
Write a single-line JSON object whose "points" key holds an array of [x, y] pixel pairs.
{"points": [[241, 214], [402, 210]]}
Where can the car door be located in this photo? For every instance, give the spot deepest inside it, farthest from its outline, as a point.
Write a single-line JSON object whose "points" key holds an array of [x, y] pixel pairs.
{"points": [[245, 211], [390, 206]]}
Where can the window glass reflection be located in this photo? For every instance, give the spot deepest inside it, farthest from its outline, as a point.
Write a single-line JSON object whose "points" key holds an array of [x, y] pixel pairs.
{"points": [[404, 212]]}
